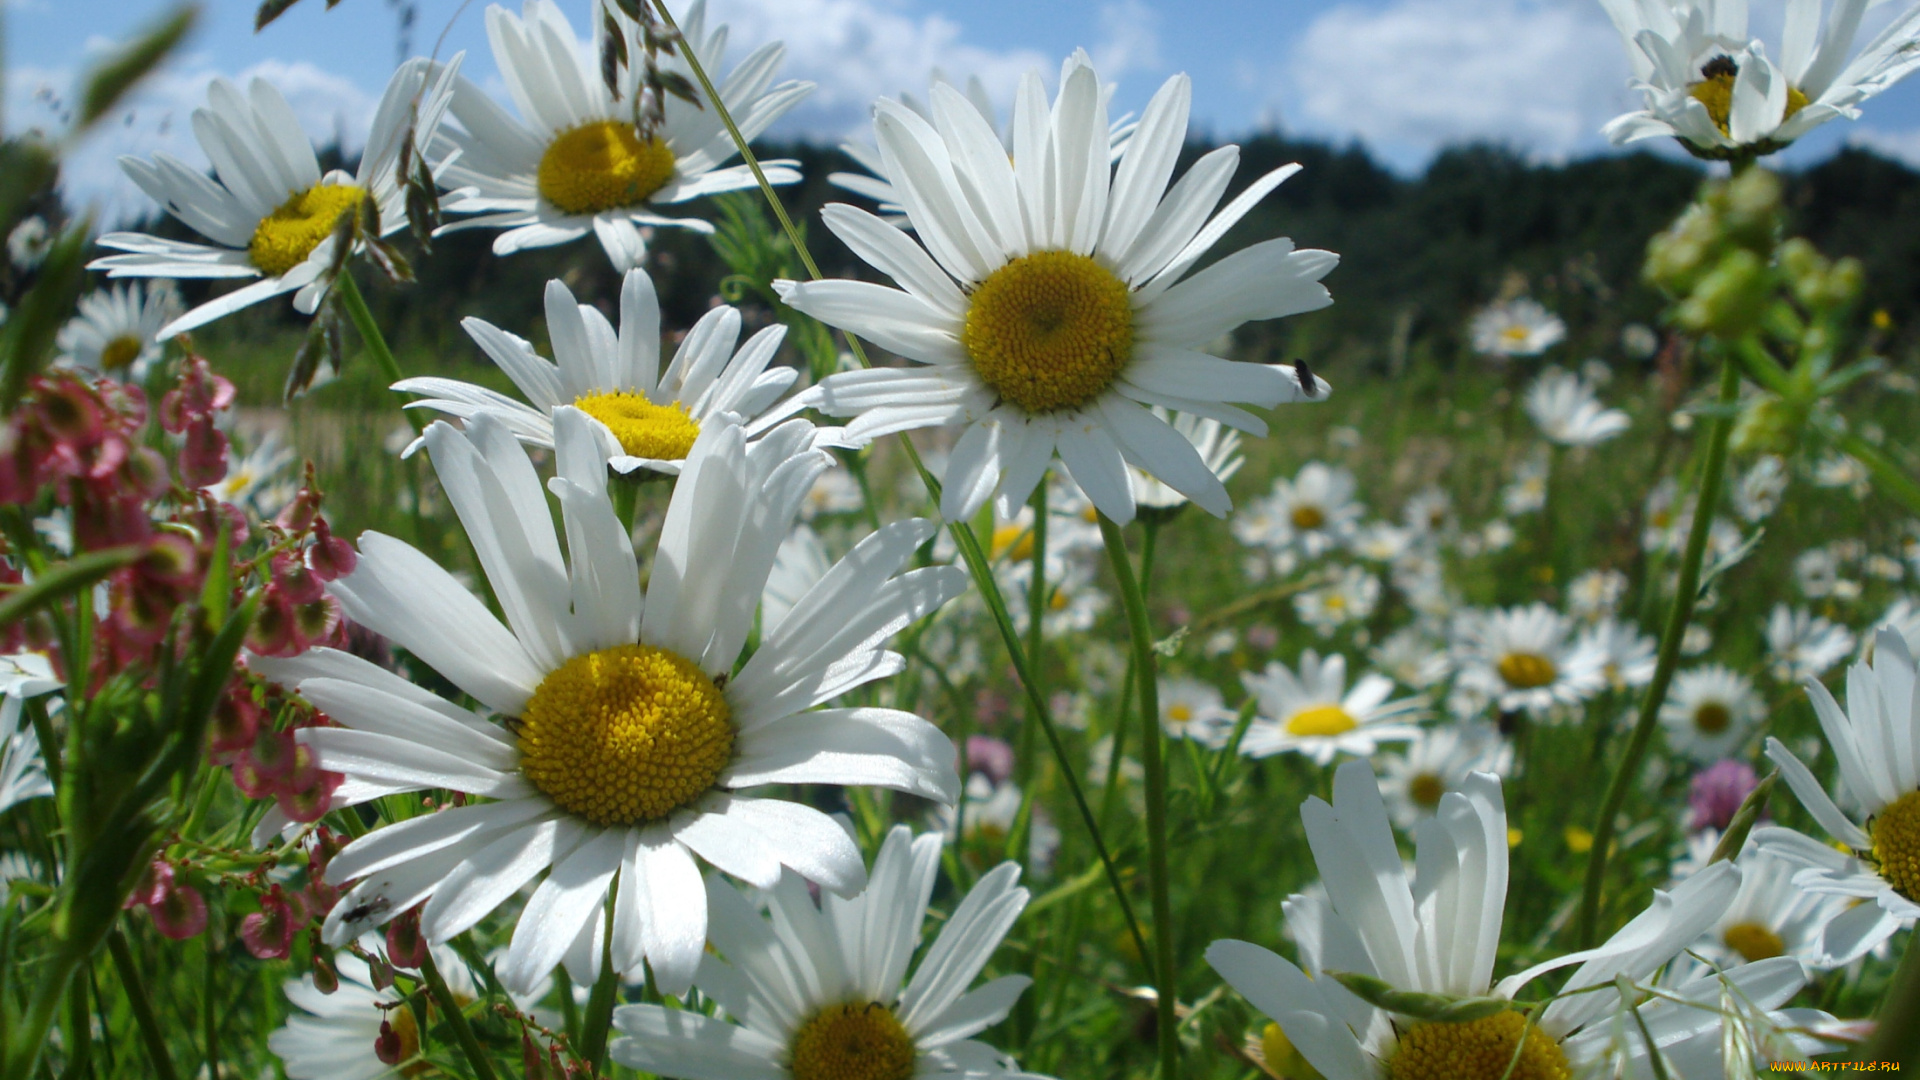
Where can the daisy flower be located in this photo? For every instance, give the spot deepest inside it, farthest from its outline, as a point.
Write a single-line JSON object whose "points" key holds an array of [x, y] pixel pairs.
{"points": [[23, 775], [1567, 411], [575, 162], [27, 674], [1046, 309], [1722, 94], [1626, 656], [1903, 618], [1596, 593], [1437, 761], [874, 185], [1314, 713], [1524, 658], [1315, 512], [117, 331], [1438, 933], [1219, 447], [1191, 709], [1758, 494], [270, 212], [1709, 712], [257, 480], [626, 734], [1527, 493], [1429, 514], [821, 990], [1349, 595], [1770, 916], [645, 416], [1802, 645], [1410, 655], [1876, 740], [798, 566], [1520, 327], [991, 810]]}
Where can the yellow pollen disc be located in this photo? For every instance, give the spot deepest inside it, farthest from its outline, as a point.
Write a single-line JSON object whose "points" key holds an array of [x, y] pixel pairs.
{"points": [[1716, 93], [1425, 790], [1013, 541], [1481, 1049], [285, 238], [1179, 714], [1896, 844], [1050, 330], [1321, 720], [1712, 718], [120, 352], [664, 432], [1307, 517], [861, 1040], [602, 166], [1059, 600], [1526, 671], [625, 735], [1516, 333], [1755, 941]]}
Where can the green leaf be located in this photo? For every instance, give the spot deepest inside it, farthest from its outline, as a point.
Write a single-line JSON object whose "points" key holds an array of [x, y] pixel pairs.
{"points": [[110, 81], [65, 579], [27, 167], [271, 10], [29, 335]]}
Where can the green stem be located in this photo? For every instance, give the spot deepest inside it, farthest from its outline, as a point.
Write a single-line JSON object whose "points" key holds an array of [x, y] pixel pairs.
{"points": [[79, 1033], [1677, 618], [970, 553], [1145, 673], [1896, 1033], [150, 1034], [450, 1008], [375, 341], [600, 1002]]}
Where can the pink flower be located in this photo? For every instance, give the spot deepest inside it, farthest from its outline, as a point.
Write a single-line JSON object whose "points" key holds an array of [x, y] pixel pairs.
{"points": [[179, 911], [990, 756], [406, 948], [1717, 792]]}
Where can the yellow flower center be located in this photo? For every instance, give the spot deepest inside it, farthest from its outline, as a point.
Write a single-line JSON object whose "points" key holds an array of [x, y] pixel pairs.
{"points": [[1526, 671], [625, 735], [663, 432], [1712, 718], [1755, 941], [1516, 334], [1716, 93], [1179, 714], [1425, 790], [861, 1040], [1501, 1045], [1321, 720], [602, 166], [1307, 517], [120, 352], [285, 238], [1013, 541], [1896, 844], [1050, 330]]}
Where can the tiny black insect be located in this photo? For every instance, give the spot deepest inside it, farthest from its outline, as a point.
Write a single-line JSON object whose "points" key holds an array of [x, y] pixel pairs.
{"points": [[1308, 384], [371, 907], [1718, 66]]}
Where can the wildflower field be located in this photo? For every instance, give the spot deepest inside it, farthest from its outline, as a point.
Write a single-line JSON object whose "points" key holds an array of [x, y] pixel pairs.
{"points": [[597, 595]]}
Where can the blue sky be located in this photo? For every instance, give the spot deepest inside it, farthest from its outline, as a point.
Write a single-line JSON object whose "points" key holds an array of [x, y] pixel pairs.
{"points": [[1402, 76]]}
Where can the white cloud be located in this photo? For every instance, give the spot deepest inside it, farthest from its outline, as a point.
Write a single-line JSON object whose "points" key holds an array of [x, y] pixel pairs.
{"points": [[858, 50], [1414, 75], [1130, 39], [158, 118]]}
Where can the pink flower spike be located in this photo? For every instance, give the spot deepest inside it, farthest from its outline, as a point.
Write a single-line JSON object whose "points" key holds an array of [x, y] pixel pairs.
{"points": [[301, 584], [179, 911], [203, 459], [235, 721], [330, 556], [386, 1045], [268, 933], [310, 803], [274, 754]]}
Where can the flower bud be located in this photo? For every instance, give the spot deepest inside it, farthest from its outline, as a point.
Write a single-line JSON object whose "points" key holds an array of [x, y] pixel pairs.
{"points": [[268, 933], [325, 978], [1750, 210], [1769, 425], [1728, 302], [405, 947], [386, 1045], [179, 911]]}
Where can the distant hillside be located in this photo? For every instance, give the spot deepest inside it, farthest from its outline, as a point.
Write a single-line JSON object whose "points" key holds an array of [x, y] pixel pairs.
{"points": [[1417, 255]]}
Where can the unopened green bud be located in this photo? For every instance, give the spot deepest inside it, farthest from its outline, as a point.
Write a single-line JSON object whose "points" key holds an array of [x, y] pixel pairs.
{"points": [[1729, 301], [1769, 425], [1805, 269], [1678, 257], [1845, 281], [1430, 1007], [1750, 210]]}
